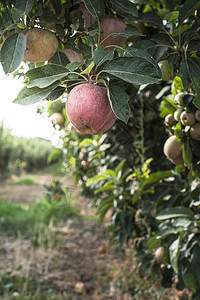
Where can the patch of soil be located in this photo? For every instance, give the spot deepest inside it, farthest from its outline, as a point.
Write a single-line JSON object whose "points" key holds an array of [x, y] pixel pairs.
{"points": [[80, 264]]}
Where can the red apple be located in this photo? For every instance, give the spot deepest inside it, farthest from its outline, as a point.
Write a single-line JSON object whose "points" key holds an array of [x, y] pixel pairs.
{"points": [[41, 45], [88, 109], [187, 119], [172, 149], [197, 115], [165, 70], [195, 132], [112, 25], [170, 120], [73, 55]]}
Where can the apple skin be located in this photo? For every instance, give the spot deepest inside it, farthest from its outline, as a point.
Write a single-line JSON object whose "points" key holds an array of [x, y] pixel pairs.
{"points": [[172, 150], [187, 119], [166, 73], [170, 120], [195, 132], [112, 25], [88, 109], [159, 255], [177, 114], [57, 118], [73, 55], [197, 115], [177, 99], [41, 45]]}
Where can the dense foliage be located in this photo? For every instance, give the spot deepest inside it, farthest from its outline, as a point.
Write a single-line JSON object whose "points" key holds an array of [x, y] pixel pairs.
{"points": [[151, 78], [17, 154]]}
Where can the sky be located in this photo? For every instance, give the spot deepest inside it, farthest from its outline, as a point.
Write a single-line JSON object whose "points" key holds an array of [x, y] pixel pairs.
{"points": [[22, 120]]}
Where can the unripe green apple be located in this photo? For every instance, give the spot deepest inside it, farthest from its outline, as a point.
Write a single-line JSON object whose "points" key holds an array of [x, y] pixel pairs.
{"points": [[187, 118], [197, 115], [73, 55], [41, 44], [165, 70], [57, 118], [109, 26], [88, 109], [172, 149], [177, 98], [177, 114], [170, 120], [195, 132]]}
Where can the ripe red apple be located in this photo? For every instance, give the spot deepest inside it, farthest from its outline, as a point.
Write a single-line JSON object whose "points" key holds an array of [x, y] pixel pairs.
{"points": [[112, 25], [57, 118], [165, 70], [177, 114], [159, 253], [41, 44], [187, 118], [170, 120], [73, 55], [177, 99], [172, 149], [197, 115], [195, 132], [88, 109]]}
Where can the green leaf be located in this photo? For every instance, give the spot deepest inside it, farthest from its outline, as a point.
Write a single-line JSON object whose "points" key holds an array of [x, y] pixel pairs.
{"points": [[95, 7], [60, 59], [56, 93], [125, 7], [187, 153], [155, 178], [175, 212], [184, 73], [101, 56], [12, 52], [174, 251], [33, 95], [119, 167], [190, 279], [21, 7], [152, 243], [132, 30], [167, 107], [171, 16], [139, 68], [194, 72], [150, 18], [119, 102], [187, 9], [46, 75]]}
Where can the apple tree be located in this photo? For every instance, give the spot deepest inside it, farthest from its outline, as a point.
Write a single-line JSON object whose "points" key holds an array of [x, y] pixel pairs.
{"points": [[121, 79]]}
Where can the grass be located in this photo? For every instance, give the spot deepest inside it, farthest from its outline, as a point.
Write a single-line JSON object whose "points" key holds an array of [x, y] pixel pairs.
{"points": [[24, 181], [25, 220]]}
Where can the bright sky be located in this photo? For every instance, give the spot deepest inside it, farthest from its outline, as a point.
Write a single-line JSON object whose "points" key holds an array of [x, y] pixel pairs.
{"points": [[22, 120]]}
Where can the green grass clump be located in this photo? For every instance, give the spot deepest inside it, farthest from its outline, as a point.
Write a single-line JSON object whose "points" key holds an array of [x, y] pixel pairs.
{"points": [[24, 181], [27, 220]]}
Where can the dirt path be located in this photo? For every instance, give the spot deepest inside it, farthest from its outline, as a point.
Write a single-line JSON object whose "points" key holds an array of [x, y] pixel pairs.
{"points": [[80, 265]]}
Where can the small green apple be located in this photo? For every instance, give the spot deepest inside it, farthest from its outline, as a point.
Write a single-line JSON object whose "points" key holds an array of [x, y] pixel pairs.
{"points": [[187, 118], [165, 70]]}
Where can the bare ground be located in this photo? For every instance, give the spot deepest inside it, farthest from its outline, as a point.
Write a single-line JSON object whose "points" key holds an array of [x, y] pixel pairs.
{"points": [[80, 265]]}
